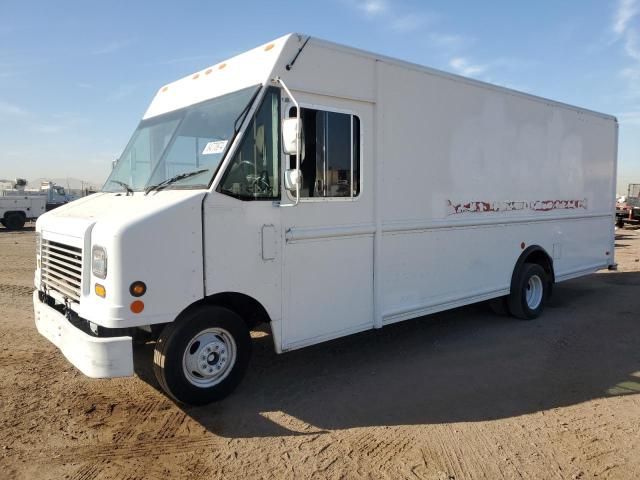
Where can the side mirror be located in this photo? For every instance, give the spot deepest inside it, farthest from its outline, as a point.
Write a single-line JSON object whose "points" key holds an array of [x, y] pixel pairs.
{"points": [[291, 129], [292, 180]]}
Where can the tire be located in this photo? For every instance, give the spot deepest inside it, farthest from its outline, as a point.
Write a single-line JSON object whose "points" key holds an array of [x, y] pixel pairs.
{"points": [[499, 306], [529, 292], [620, 224], [14, 221], [202, 357]]}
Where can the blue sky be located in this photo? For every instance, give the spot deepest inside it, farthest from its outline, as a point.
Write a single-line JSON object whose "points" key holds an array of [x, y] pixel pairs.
{"points": [[76, 76]]}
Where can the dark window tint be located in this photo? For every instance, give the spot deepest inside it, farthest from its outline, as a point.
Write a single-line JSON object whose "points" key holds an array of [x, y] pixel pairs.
{"points": [[330, 160]]}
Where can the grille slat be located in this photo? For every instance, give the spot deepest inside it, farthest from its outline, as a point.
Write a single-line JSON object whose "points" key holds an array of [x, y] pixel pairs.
{"points": [[56, 263], [64, 249], [62, 287], [61, 275], [62, 268], [56, 257]]}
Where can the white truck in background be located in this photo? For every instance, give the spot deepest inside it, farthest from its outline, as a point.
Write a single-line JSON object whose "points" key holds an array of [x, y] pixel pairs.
{"points": [[18, 205], [324, 190]]}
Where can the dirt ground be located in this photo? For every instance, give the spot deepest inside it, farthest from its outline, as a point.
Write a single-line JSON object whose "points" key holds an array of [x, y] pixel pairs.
{"points": [[462, 394]]}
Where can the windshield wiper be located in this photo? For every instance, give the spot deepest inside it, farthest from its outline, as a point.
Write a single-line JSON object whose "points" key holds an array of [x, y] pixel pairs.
{"points": [[165, 183], [124, 185]]}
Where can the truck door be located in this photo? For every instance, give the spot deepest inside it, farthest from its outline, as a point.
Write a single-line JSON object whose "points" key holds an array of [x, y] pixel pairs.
{"points": [[328, 237]]}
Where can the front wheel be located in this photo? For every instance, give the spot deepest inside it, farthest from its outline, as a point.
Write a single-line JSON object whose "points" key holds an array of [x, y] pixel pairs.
{"points": [[529, 292], [202, 357]]}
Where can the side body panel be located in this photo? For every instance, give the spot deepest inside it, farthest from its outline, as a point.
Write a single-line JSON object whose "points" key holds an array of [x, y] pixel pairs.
{"points": [[31, 205], [243, 252], [469, 175]]}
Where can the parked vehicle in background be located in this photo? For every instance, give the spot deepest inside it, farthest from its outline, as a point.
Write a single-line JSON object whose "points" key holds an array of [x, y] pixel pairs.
{"points": [[324, 190], [628, 207], [17, 205], [56, 195]]}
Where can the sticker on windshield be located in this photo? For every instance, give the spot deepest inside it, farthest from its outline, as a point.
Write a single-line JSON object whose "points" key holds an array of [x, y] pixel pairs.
{"points": [[214, 147]]}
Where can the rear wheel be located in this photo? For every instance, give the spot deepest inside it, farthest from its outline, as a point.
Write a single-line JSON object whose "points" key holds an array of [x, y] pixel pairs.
{"points": [[529, 292], [14, 221], [202, 357]]}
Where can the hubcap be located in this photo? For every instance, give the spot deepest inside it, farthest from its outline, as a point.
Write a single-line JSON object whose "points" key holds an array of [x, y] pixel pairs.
{"points": [[209, 357], [535, 289]]}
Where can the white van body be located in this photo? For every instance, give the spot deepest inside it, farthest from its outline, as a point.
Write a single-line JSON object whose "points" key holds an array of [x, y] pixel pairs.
{"points": [[456, 179]]}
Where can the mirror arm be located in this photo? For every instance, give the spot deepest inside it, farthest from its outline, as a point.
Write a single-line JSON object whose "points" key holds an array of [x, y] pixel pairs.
{"points": [[295, 102]]}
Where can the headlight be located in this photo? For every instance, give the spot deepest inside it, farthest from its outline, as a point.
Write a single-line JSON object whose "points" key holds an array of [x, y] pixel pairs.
{"points": [[99, 261]]}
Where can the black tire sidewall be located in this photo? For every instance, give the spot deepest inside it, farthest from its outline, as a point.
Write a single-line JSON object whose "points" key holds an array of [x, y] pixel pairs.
{"points": [[518, 297], [173, 378], [14, 221]]}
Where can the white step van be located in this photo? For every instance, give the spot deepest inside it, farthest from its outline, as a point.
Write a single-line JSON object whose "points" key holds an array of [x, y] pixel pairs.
{"points": [[324, 190]]}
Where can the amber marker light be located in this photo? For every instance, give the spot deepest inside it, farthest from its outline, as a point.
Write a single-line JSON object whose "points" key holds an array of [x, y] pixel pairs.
{"points": [[138, 288], [137, 306], [100, 290]]}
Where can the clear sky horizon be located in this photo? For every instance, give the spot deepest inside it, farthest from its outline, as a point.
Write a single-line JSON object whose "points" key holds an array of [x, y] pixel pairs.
{"points": [[76, 76]]}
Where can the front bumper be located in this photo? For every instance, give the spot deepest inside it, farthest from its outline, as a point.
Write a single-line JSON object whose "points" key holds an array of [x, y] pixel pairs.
{"points": [[96, 357]]}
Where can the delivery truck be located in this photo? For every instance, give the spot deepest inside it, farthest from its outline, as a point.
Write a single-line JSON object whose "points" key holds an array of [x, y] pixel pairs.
{"points": [[323, 190]]}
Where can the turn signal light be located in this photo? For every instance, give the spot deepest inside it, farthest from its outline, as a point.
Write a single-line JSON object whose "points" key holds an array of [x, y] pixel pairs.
{"points": [[137, 289], [137, 306], [100, 290]]}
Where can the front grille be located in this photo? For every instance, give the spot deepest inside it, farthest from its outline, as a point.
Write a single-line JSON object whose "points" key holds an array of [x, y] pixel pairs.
{"points": [[62, 268]]}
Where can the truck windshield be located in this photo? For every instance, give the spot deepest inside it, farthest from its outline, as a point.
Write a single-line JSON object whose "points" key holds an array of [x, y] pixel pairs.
{"points": [[185, 140]]}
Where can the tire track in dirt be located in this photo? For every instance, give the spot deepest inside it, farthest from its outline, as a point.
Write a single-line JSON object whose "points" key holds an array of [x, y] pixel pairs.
{"points": [[125, 451], [133, 425], [379, 451], [88, 471], [171, 425], [15, 290]]}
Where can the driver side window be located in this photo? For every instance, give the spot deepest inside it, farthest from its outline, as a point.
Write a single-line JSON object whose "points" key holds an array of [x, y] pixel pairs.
{"points": [[330, 160], [253, 174]]}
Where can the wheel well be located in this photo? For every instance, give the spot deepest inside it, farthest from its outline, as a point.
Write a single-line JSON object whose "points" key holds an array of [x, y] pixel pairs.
{"points": [[12, 212], [538, 255], [251, 311]]}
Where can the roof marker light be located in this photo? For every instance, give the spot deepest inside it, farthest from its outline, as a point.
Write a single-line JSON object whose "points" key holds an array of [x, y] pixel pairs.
{"points": [[269, 47], [165, 89], [196, 76], [208, 71], [221, 66]]}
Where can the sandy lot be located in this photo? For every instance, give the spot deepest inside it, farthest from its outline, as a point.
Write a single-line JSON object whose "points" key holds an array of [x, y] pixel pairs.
{"points": [[462, 394]]}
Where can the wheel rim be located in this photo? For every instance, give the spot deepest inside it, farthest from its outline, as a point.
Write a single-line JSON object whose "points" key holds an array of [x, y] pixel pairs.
{"points": [[535, 290], [209, 357]]}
